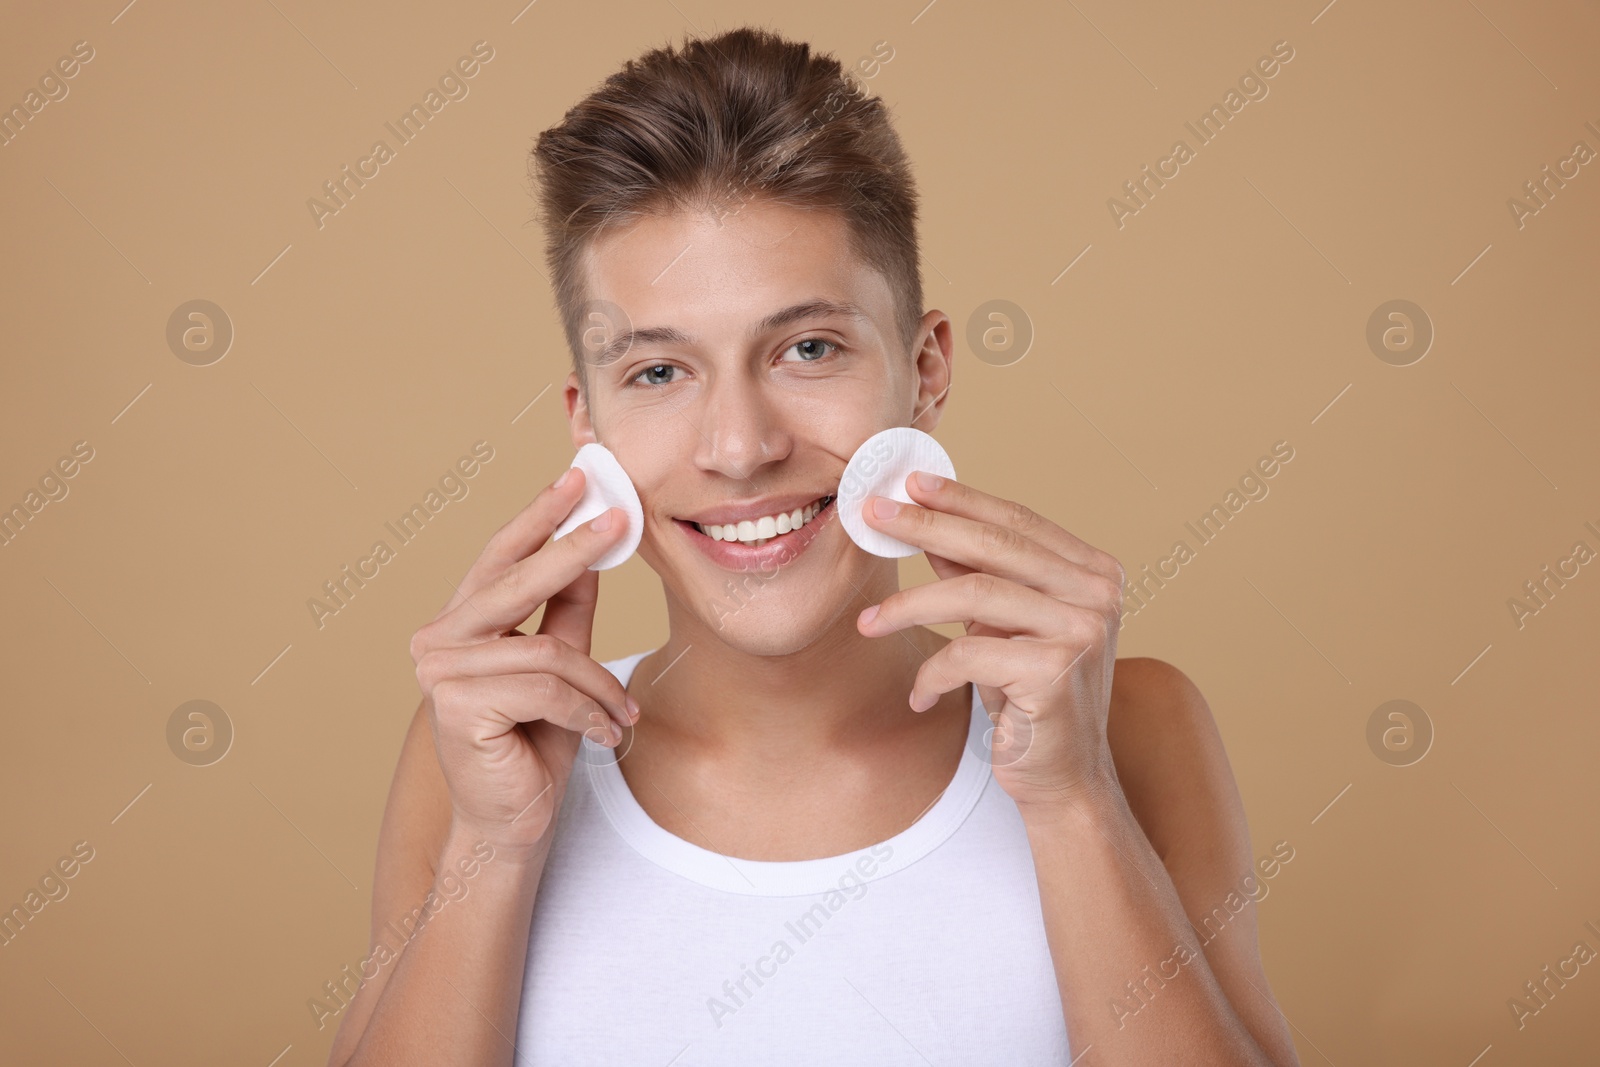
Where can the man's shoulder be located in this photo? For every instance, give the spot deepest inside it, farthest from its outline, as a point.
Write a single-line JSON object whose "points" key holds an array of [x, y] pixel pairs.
{"points": [[1159, 699], [1168, 751]]}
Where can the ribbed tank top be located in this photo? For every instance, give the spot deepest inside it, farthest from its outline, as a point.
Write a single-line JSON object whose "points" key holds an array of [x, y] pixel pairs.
{"points": [[649, 951]]}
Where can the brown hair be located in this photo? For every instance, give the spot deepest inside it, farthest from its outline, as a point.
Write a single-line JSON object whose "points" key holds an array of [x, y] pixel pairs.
{"points": [[745, 114]]}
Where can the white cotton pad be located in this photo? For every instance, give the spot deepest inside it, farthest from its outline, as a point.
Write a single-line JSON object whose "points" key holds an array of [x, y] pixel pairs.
{"points": [[605, 485], [880, 467]]}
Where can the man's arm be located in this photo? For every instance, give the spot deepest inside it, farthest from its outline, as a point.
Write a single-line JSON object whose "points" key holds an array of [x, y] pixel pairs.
{"points": [[449, 992], [1119, 876]]}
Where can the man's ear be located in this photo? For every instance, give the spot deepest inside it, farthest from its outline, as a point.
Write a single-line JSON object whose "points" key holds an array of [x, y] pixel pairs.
{"points": [[933, 369], [578, 412]]}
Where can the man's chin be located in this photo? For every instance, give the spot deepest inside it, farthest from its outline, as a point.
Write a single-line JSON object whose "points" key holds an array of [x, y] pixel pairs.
{"points": [[773, 628]]}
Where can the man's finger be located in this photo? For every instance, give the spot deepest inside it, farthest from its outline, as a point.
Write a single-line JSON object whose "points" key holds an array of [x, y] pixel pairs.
{"points": [[524, 535], [516, 592]]}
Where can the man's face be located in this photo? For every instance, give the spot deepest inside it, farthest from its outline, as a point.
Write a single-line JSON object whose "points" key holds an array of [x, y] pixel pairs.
{"points": [[747, 385]]}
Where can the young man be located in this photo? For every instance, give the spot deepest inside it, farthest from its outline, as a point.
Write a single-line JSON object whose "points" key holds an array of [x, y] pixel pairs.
{"points": [[806, 829]]}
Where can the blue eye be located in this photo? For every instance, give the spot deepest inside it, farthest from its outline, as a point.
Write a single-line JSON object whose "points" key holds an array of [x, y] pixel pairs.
{"points": [[650, 371], [812, 341], [811, 349]]}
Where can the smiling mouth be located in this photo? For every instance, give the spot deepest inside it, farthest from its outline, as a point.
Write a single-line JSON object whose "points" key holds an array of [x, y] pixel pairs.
{"points": [[754, 533]]}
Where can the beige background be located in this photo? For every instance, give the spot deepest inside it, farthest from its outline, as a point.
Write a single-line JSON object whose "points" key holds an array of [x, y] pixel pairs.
{"points": [[1230, 313]]}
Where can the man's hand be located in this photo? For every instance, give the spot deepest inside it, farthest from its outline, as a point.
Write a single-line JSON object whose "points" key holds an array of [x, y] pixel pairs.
{"points": [[509, 709], [1041, 609]]}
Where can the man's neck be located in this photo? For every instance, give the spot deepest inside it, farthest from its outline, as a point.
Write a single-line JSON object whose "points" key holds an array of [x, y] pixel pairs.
{"points": [[790, 757], [839, 697]]}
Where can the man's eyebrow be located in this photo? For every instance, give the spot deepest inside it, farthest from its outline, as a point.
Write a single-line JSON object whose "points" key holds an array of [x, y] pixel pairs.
{"points": [[669, 335], [808, 309]]}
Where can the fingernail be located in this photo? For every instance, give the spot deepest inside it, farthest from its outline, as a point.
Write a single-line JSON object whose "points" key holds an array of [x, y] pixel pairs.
{"points": [[633, 709], [616, 733], [603, 523], [923, 702], [884, 508], [928, 482], [866, 617], [559, 482]]}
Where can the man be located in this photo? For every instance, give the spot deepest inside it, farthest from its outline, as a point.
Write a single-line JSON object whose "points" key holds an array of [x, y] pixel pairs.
{"points": [[806, 829]]}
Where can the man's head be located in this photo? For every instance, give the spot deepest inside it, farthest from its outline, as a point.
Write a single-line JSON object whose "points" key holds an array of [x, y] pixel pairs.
{"points": [[709, 128], [733, 248]]}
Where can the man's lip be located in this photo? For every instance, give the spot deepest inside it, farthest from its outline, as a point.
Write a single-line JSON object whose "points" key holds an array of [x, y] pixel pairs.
{"points": [[780, 551], [751, 510]]}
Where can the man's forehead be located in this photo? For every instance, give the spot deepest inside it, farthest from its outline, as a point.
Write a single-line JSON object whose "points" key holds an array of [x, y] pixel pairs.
{"points": [[658, 276], [756, 222]]}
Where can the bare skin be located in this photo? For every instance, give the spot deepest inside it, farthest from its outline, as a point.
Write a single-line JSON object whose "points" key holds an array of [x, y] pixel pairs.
{"points": [[781, 731], [833, 802]]}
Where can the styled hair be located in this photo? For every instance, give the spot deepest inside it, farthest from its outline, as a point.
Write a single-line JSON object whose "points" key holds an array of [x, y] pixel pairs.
{"points": [[711, 126]]}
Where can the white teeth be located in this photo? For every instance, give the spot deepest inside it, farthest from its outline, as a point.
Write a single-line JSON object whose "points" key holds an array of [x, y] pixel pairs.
{"points": [[759, 531]]}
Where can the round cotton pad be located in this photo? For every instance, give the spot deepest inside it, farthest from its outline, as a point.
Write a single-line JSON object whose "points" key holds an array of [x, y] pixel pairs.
{"points": [[605, 485], [880, 467]]}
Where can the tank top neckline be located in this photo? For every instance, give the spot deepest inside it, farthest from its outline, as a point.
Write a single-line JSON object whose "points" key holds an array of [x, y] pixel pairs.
{"points": [[779, 878]]}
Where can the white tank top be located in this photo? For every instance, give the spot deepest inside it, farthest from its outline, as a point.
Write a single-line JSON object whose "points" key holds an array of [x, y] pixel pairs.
{"points": [[649, 951]]}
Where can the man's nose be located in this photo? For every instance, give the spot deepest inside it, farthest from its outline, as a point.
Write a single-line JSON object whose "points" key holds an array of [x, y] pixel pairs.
{"points": [[742, 427]]}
